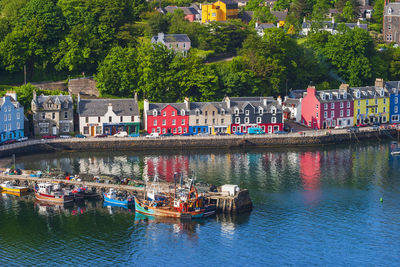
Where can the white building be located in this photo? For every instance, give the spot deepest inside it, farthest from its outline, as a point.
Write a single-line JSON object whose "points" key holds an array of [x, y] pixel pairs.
{"points": [[108, 116]]}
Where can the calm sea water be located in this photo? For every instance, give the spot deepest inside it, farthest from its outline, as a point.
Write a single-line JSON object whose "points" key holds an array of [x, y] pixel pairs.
{"points": [[311, 207]]}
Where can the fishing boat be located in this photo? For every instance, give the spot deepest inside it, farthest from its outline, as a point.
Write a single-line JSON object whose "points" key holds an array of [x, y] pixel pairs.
{"points": [[184, 205], [114, 198], [53, 193], [9, 186]]}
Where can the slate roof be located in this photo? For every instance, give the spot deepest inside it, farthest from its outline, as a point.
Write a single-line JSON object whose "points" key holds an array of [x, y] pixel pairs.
{"points": [[297, 93], [230, 4], [337, 95], [56, 99], [392, 86], [99, 107], [173, 38], [334, 25], [280, 15], [13, 101], [368, 92], [186, 10], [292, 101], [263, 26]]}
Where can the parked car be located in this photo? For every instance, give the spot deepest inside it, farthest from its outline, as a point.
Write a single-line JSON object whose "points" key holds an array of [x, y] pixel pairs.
{"points": [[22, 139], [49, 136], [153, 135], [186, 134], [101, 135], [134, 135], [362, 125], [354, 129], [167, 134], [121, 134], [375, 127], [222, 134], [376, 124], [239, 133], [255, 130], [80, 136], [281, 132], [65, 136]]}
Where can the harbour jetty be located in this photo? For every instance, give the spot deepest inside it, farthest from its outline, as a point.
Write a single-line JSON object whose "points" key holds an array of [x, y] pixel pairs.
{"points": [[225, 202], [305, 138]]}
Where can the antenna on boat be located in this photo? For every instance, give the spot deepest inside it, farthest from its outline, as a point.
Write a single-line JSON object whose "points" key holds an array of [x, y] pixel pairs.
{"points": [[175, 184]]}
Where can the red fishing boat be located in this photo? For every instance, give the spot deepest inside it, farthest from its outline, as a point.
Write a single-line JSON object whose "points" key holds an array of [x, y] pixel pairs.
{"points": [[53, 193]]}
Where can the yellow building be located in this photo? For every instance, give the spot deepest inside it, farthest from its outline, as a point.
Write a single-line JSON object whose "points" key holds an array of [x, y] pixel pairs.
{"points": [[219, 11], [371, 104]]}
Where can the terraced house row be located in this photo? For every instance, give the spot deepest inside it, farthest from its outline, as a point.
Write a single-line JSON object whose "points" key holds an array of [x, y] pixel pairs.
{"points": [[351, 106]]}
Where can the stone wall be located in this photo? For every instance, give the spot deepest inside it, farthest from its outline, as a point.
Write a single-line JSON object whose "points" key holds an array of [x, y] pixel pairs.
{"points": [[184, 143], [84, 86]]}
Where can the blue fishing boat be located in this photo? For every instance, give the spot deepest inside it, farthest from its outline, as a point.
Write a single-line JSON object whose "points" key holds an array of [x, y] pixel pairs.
{"points": [[113, 198]]}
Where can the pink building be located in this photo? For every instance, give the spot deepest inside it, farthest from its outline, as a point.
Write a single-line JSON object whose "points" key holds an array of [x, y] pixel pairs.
{"points": [[328, 108]]}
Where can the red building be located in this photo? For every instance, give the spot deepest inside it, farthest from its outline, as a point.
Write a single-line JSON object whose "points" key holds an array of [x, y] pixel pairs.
{"points": [[328, 108], [165, 118]]}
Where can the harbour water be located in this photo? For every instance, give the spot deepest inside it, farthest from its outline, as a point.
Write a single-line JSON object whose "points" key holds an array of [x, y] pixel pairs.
{"points": [[318, 206]]}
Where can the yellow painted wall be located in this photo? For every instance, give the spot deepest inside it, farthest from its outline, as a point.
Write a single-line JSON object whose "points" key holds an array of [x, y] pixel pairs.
{"points": [[216, 12], [383, 107]]}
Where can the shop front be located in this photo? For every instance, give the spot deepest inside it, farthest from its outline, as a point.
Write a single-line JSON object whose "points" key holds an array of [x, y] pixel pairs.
{"points": [[113, 128]]}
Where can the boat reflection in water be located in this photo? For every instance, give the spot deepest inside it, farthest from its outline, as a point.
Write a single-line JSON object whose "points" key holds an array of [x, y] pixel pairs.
{"points": [[115, 208], [49, 209], [18, 194]]}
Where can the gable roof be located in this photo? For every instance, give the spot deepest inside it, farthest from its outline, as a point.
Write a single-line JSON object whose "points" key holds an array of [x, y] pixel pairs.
{"points": [[172, 38], [57, 99], [99, 107]]}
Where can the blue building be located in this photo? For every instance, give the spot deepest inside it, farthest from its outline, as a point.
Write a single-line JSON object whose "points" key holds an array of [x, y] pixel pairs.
{"points": [[11, 118], [393, 87]]}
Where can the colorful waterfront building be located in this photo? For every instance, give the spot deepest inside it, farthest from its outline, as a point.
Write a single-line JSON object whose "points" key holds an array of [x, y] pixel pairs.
{"points": [[108, 116], [327, 108], [393, 87], [371, 103], [166, 118], [209, 117], [255, 112], [11, 118], [219, 11], [52, 114]]}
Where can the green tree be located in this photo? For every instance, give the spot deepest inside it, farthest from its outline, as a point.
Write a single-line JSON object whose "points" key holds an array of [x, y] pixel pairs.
{"points": [[117, 74], [158, 23], [377, 15]]}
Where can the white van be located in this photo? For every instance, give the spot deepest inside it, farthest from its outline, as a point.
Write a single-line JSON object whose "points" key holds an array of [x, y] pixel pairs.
{"points": [[153, 135], [121, 134]]}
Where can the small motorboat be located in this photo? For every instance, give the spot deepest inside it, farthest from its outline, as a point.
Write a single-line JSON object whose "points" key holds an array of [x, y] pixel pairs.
{"points": [[53, 193], [395, 152], [118, 199], [9, 186]]}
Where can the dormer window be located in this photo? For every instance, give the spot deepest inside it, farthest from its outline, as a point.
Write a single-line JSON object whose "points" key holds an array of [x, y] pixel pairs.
{"points": [[236, 111], [247, 112], [358, 94], [260, 111], [197, 112], [382, 92], [154, 112], [273, 110], [322, 96], [222, 112], [182, 112], [344, 95], [389, 10], [330, 96]]}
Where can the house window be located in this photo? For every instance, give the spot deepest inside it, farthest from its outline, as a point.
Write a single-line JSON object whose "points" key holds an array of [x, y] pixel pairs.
{"points": [[273, 120], [317, 115], [5, 117], [348, 104], [389, 26], [222, 112], [237, 120], [153, 130], [376, 101], [164, 122], [179, 130], [236, 112], [332, 114], [332, 105], [53, 116], [213, 113], [367, 102], [158, 130], [316, 106], [110, 119], [197, 113], [65, 128], [213, 121], [233, 128], [384, 109], [384, 101], [174, 131], [154, 112], [18, 115], [348, 113], [325, 114], [260, 111], [341, 113], [173, 113], [155, 123], [163, 130], [85, 130], [197, 121], [164, 113], [98, 119], [330, 96], [87, 119], [184, 130], [246, 120], [396, 109], [396, 100], [98, 129], [183, 122], [273, 111], [258, 119], [358, 96], [182, 112], [325, 106], [222, 121], [121, 119], [206, 113], [65, 114], [366, 111], [173, 122], [341, 104], [18, 125], [9, 117], [247, 112], [205, 121], [44, 130]]}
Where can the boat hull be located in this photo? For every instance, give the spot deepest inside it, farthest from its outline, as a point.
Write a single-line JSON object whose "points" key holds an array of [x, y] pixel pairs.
{"points": [[161, 212], [53, 199], [118, 202]]}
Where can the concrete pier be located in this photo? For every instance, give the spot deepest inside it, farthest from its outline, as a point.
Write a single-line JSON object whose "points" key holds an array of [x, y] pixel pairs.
{"points": [[239, 203]]}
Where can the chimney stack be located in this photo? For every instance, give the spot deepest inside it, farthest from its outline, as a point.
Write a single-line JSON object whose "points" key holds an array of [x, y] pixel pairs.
{"points": [[279, 99], [12, 94], [379, 82], [110, 107], [227, 101], [145, 105], [344, 87], [187, 103]]}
